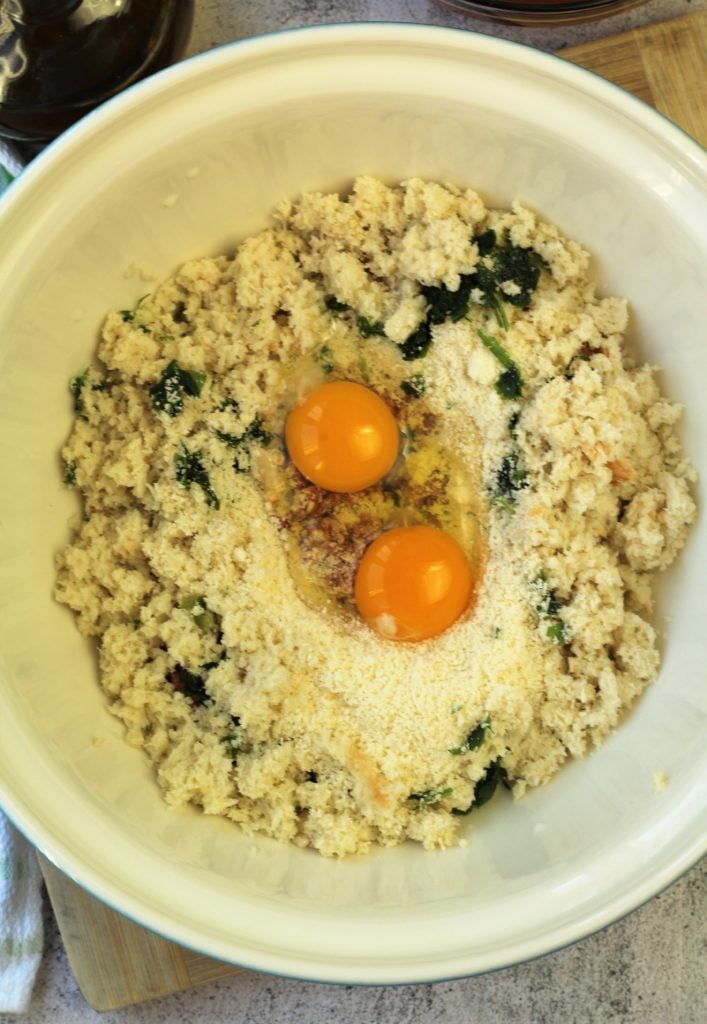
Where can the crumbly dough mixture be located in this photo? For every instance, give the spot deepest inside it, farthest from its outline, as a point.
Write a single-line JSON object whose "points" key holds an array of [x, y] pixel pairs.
{"points": [[259, 703]]}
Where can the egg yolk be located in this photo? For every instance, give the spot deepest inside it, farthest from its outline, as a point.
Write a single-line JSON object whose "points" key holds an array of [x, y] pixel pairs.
{"points": [[412, 583], [342, 436]]}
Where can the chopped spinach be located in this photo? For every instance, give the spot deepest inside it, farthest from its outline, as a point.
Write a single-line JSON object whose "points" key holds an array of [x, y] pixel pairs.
{"points": [[368, 328], [70, 474], [475, 738], [557, 633], [128, 315], [499, 311], [414, 386], [417, 344], [504, 264], [486, 786], [510, 478], [510, 384], [334, 306], [189, 469], [254, 433], [178, 313], [234, 741], [76, 386], [548, 607], [230, 403], [486, 242], [230, 440], [430, 797], [521, 267], [188, 683], [325, 359], [445, 304], [167, 393]]}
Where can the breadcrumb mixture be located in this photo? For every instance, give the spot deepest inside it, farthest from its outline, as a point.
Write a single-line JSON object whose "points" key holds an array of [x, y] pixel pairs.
{"points": [[253, 698]]}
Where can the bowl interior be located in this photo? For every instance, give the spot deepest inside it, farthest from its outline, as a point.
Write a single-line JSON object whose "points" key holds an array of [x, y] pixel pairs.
{"points": [[186, 165]]}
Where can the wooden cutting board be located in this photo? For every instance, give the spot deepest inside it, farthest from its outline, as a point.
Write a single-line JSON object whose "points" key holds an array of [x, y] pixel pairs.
{"points": [[117, 963]]}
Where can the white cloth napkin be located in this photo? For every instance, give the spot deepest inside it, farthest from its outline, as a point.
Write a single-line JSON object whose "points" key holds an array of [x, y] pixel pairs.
{"points": [[21, 932]]}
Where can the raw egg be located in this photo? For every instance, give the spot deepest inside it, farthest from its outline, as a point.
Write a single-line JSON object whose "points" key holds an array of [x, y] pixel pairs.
{"points": [[342, 436], [413, 583]]}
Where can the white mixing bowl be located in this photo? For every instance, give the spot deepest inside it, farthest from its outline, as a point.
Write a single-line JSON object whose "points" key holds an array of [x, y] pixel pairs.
{"points": [[185, 165]]}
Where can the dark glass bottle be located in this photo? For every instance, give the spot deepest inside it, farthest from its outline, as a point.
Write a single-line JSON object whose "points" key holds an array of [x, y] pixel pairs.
{"points": [[61, 58]]}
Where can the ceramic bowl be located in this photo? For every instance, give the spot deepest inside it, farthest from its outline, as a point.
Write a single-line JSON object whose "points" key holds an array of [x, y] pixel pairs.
{"points": [[185, 165]]}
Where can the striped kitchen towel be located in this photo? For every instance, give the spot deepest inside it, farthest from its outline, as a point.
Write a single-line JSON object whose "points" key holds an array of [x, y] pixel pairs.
{"points": [[21, 935]]}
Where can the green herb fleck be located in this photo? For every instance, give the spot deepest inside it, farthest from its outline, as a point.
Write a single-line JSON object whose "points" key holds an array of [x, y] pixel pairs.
{"points": [[556, 633], [485, 787], [510, 478], [178, 313], [325, 359], [167, 393], [548, 607], [430, 797], [204, 618], [230, 403], [256, 432], [230, 440], [76, 387], [499, 311], [414, 386], [475, 738], [233, 742], [189, 469], [510, 384], [70, 474], [128, 315]]}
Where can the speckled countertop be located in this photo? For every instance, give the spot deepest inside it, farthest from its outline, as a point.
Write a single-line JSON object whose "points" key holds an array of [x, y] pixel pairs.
{"points": [[649, 968]]}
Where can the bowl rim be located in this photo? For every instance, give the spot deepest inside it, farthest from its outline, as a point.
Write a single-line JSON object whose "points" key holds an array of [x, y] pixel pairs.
{"points": [[98, 881]]}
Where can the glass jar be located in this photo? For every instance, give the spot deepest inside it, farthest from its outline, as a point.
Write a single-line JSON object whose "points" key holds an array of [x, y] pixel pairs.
{"points": [[61, 58], [553, 13]]}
